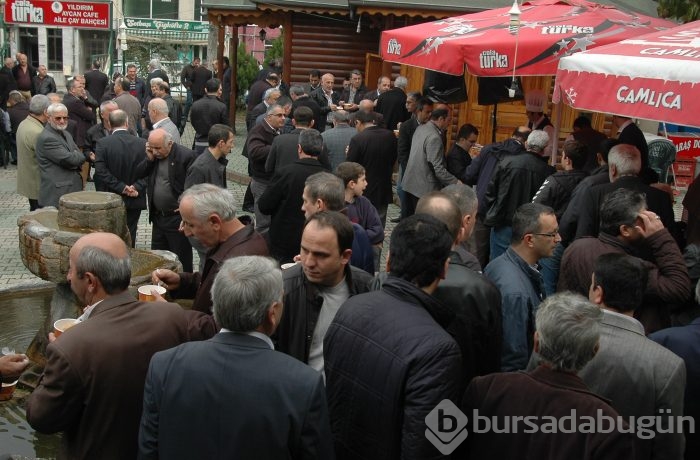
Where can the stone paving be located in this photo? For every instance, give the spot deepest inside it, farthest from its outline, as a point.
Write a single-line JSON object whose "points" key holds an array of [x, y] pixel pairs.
{"points": [[13, 274]]}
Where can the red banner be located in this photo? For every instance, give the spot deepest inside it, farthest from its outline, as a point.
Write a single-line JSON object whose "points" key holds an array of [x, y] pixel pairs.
{"points": [[82, 15], [687, 145]]}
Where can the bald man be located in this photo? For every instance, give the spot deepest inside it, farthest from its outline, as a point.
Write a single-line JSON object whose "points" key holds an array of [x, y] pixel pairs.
{"points": [[166, 166], [92, 386]]}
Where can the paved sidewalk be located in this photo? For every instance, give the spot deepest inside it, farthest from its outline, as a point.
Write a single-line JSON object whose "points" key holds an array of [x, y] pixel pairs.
{"points": [[13, 272]]}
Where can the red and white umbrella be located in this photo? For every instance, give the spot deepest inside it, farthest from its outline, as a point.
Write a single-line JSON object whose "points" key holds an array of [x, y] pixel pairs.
{"points": [[652, 77], [486, 46]]}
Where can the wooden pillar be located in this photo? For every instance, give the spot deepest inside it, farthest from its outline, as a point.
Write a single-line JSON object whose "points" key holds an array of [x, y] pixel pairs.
{"points": [[233, 46], [220, 49], [287, 58]]}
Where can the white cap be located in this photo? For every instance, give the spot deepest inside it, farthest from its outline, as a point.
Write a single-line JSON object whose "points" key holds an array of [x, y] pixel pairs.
{"points": [[535, 101]]}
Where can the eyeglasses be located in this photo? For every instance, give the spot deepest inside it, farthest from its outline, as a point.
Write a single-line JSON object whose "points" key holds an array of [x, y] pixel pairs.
{"points": [[276, 114], [548, 235]]}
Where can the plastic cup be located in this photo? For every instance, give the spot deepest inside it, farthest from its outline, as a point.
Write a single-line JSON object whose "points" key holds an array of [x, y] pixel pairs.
{"points": [[145, 292], [7, 390], [62, 325]]}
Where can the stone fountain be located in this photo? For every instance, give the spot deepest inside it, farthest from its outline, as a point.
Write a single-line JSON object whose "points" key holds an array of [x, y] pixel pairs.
{"points": [[46, 236]]}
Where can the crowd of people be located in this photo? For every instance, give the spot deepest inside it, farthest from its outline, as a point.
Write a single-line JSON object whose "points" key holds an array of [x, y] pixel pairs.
{"points": [[513, 287]]}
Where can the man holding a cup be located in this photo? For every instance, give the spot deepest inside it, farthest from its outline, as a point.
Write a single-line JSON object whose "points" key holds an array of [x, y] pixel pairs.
{"points": [[92, 386]]}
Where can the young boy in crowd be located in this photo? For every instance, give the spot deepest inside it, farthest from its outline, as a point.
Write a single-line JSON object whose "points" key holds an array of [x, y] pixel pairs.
{"points": [[359, 209]]}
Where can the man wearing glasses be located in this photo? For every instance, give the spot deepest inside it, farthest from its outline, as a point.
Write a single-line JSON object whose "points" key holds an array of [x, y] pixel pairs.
{"points": [[258, 145], [59, 158], [515, 273]]}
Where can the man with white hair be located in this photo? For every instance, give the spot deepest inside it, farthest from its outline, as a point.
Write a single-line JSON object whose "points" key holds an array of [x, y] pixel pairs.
{"points": [[59, 158], [392, 104], [515, 181], [158, 113], [154, 71], [248, 305]]}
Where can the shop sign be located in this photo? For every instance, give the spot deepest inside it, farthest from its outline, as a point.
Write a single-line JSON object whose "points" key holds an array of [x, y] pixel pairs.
{"points": [[82, 15]]}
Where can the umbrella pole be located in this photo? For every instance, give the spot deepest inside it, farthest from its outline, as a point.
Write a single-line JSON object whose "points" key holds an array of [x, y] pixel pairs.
{"points": [[557, 125], [493, 122]]}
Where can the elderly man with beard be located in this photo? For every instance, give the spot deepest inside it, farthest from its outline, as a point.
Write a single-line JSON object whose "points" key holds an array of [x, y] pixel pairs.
{"points": [[59, 158]]}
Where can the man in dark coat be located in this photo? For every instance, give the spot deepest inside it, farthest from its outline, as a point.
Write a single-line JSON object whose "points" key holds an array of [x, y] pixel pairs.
{"points": [[314, 289], [355, 92], [515, 181], [283, 200], [206, 112], [238, 365], [624, 164], [409, 363], [374, 148], [200, 76], [567, 338], [166, 166], [459, 157], [474, 299], [392, 104], [627, 226], [629, 133], [258, 146], [95, 81], [301, 99], [116, 155], [96, 404], [78, 110]]}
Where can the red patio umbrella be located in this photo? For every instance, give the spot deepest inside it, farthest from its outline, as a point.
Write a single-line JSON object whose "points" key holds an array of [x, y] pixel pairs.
{"points": [[653, 77], [483, 44]]}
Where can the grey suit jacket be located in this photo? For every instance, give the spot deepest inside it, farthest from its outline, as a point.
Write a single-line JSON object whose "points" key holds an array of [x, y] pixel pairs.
{"points": [[59, 161], [225, 393], [426, 169], [640, 377]]}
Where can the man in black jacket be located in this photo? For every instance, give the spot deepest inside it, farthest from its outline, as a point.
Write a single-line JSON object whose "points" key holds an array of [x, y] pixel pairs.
{"points": [[207, 112], [316, 287], [475, 301], [166, 165], [282, 199], [116, 156], [515, 182], [387, 357]]}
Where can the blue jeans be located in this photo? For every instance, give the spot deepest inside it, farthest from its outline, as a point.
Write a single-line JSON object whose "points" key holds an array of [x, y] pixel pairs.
{"points": [[549, 267], [500, 240]]}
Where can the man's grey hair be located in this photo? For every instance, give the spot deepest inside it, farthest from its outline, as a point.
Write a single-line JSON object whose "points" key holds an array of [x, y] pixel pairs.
{"points": [[296, 90], [329, 188], [55, 108], [155, 81], [401, 82], [154, 63], [208, 199], [107, 104], [272, 108], [118, 119], [113, 272], [70, 84], [537, 140], [568, 328], [626, 159], [341, 116], [464, 196], [269, 91], [243, 291], [159, 105], [167, 137], [38, 104]]}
